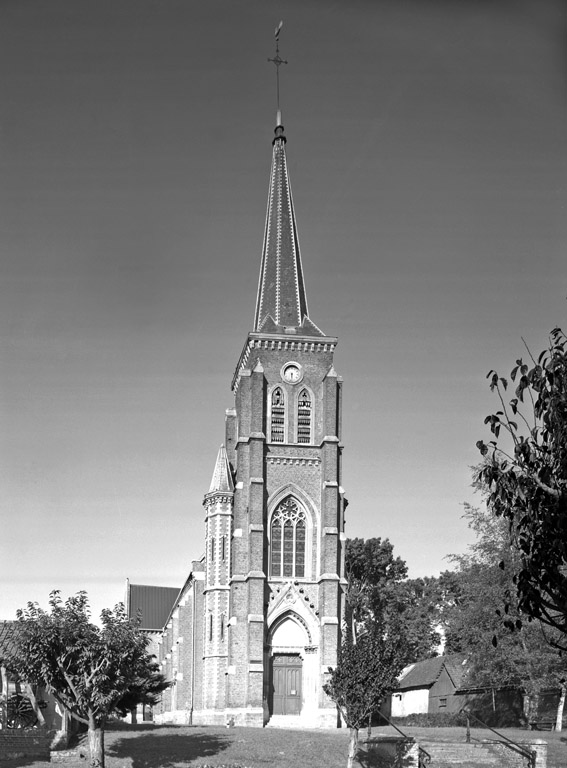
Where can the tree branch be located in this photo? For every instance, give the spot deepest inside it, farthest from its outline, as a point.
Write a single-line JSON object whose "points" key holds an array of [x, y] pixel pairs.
{"points": [[68, 680]]}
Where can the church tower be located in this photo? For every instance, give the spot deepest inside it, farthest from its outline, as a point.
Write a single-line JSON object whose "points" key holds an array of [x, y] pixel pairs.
{"points": [[283, 445], [256, 626]]}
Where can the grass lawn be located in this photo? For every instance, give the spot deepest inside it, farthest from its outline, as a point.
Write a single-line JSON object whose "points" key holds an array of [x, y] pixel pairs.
{"points": [[186, 747]]}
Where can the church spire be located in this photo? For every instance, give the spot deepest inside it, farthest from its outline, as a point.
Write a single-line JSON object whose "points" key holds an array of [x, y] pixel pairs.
{"points": [[281, 303]]}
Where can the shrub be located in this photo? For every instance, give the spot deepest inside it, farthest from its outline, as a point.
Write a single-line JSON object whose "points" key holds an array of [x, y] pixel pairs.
{"points": [[433, 720]]}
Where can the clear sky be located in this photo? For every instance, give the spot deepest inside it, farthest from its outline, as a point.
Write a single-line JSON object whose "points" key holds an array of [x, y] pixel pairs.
{"points": [[427, 148]]}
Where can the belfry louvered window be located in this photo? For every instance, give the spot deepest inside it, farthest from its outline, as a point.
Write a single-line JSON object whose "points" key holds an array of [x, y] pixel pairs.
{"points": [[288, 538], [277, 416], [304, 417]]}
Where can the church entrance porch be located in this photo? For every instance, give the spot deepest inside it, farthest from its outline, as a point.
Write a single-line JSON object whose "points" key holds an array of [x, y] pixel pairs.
{"points": [[286, 678]]}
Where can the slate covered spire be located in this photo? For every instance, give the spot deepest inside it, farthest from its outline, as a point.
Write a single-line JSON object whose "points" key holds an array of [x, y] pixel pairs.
{"points": [[222, 478], [281, 305]]}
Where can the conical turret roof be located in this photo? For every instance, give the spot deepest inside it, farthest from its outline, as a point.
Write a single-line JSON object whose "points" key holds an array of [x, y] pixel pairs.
{"points": [[281, 304], [222, 477]]}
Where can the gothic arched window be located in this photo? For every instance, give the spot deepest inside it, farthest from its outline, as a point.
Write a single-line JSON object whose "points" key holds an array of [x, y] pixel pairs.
{"points": [[277, 416], [304, 414], [288, 538]]}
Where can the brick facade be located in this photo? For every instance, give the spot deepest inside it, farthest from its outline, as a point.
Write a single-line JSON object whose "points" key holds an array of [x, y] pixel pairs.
{"points": [[20, 744]]}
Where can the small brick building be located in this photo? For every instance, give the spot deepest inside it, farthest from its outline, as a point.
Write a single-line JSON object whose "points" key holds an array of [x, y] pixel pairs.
{"points": [[257, 624]]}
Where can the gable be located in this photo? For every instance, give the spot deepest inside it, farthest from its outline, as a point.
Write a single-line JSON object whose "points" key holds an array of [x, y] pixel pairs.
{"points": [[153, 604]]}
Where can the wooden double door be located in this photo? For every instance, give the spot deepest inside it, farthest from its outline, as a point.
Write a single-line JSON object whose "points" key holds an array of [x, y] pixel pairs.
{"points": [[286, 684]]}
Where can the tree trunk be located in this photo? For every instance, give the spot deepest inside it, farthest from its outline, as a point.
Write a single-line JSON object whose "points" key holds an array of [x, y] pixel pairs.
{"points": [[352, 747], [3, 697], [31, 696], [369, 727], [560, 707], [96, 746], [533, 709]]}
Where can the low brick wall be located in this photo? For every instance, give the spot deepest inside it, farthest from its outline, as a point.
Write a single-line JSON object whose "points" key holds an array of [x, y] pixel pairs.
{"points": [[24, 743], [393, 751]]}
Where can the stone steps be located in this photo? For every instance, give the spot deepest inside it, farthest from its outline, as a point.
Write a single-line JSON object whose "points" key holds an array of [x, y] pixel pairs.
{"points": [[285, 721], [449, 755]]}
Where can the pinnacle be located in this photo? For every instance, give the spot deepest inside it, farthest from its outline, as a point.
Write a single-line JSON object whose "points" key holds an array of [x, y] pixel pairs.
{"points": [[222, 477]]}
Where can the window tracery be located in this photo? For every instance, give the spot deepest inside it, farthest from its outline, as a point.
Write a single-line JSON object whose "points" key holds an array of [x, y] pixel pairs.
{"points": [[288, 535]]}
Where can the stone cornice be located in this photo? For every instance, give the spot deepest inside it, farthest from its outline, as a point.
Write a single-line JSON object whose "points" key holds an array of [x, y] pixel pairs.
{"points": [[218, 497], [297, 461], [216, 588], [295, 343]]}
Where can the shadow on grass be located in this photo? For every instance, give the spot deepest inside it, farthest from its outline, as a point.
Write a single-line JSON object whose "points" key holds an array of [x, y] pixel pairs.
{"points": [[157, 750], [373, 760], [369, 759], [20, 762]]}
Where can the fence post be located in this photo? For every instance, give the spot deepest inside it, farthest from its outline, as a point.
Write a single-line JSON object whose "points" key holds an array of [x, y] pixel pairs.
{"points": [[539, 747], [3, 697]]}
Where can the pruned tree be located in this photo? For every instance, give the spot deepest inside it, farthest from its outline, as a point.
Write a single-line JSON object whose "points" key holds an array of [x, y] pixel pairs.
{"points": [[524, 476], [91, 671], [367, 670]]}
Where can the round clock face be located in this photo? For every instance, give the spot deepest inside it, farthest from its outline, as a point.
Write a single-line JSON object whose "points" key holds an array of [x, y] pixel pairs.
{"points": [[292, 373]]}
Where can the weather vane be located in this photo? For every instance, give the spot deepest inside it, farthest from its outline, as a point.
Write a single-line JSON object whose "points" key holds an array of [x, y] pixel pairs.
{"points": [[278, 61]]}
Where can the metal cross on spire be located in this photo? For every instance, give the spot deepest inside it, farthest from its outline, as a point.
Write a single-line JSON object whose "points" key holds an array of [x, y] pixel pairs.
{"points": [[278, 61]]}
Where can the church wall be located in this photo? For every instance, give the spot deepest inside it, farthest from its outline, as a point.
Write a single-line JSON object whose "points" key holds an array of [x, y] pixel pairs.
{"points": [[181, 653]]}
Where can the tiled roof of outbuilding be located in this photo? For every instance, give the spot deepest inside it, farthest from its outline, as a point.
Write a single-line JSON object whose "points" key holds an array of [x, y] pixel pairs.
{"points": [[422, 675], [425, 673], [153, 604], [7, 635]]}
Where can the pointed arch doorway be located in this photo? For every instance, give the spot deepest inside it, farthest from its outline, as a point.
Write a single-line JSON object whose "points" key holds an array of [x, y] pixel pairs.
{"points": [[286, 674], [287, 648]]}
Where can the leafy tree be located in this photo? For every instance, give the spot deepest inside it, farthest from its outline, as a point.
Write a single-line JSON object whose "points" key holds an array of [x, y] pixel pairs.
{"points": [[483, 582], [451, 587], [525, 478], [367, 669], [379, 592], [415, 607], [370, 568], [91, 671]]}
